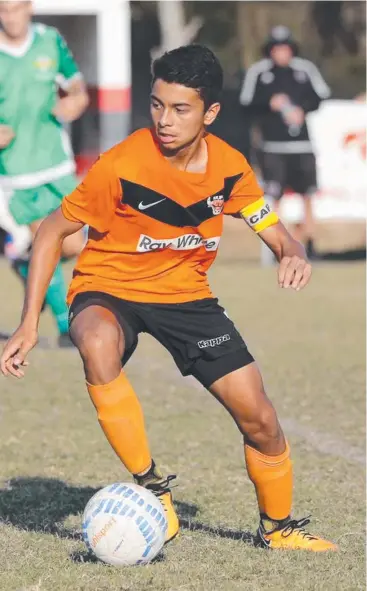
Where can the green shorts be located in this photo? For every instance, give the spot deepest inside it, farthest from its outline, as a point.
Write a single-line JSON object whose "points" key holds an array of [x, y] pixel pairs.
{"points": [[29, 205]]}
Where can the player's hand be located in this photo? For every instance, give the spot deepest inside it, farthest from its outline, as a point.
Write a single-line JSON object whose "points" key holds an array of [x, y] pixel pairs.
{"points": [[294, 272], [6, 135], [279, 101], [66, 109], [13, 358]]}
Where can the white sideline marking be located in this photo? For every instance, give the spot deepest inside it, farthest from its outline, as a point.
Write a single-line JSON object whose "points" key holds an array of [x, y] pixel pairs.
{"points": [[324, 442]]}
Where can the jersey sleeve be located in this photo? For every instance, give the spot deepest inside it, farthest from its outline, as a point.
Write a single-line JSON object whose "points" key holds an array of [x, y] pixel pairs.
{"points": [[68, 67], [247, 201], [245, 191], [95, 199]]}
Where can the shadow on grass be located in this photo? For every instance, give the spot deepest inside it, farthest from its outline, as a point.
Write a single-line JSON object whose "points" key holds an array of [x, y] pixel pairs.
{"points": [[88, 557], [42, 505], [187, 512]]}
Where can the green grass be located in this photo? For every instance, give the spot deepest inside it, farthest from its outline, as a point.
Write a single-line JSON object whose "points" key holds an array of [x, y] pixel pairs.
{"points": [[53, 455]]}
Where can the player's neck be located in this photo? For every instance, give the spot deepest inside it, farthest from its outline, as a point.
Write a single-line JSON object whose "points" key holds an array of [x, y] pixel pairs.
{"points": [[14, 41], [191, 158]]}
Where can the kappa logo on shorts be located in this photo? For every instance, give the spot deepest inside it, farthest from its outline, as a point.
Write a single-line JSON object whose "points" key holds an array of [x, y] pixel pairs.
{"points": [[184, 242], [214, 342]]}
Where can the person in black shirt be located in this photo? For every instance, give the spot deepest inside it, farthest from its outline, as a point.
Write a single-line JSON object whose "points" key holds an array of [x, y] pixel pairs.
{"points": [[279, 91]]}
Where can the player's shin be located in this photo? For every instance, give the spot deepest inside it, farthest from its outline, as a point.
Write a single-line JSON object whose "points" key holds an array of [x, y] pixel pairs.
{"points": [[273, 480], [272, 477], [121, 418]]}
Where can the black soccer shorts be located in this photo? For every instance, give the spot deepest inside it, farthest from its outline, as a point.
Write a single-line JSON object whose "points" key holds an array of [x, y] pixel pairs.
{"points": [[296, 172], [201, 338]]}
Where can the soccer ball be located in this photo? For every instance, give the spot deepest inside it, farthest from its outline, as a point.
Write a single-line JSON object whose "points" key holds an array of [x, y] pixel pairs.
{"points": [[124, 525]]}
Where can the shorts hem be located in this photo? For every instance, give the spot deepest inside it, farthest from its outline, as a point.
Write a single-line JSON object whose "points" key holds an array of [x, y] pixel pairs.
{"points": [[218, 368]]}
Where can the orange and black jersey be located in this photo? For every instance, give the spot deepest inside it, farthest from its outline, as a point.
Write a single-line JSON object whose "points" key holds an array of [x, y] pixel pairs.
{"points": [[154, 230]]}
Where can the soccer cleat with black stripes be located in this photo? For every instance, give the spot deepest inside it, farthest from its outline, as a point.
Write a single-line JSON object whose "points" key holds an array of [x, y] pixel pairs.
{"points": [[290, 534], [154, 481]]}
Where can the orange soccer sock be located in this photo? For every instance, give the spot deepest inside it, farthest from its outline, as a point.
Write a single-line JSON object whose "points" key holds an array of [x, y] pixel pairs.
{"points": [[121, 418], [273, 480]]}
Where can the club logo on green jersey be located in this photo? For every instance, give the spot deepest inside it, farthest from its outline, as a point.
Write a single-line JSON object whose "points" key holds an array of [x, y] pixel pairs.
{"points": [[45, 67]]}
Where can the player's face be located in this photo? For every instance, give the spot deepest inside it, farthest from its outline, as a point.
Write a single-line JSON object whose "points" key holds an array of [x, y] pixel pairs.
{"points": [[15, 18], [178, 114], [281, 55]]}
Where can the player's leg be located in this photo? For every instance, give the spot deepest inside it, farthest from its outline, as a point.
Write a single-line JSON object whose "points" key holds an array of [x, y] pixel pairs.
{"points": [[267, 457], [105, 340], [309, 225], [205, 343], [274, 173], [305, 183], [100, 341]]}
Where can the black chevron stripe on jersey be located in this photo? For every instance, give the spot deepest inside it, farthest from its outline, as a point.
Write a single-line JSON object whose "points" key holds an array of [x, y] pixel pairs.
{"points": [[163, 209]]}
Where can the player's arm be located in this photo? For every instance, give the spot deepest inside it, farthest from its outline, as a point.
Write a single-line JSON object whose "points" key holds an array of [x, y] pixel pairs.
{"points": [[69, 78], [6, 135], [294, 269], [72, 106], [46, 251], [247, 201], [93, 203]]}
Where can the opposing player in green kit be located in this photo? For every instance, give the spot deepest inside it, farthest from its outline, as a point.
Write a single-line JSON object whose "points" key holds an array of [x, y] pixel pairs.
{"points": [[36, 161]]}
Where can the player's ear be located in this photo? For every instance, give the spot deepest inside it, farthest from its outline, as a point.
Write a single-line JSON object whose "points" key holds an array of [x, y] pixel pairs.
{"points": [[211, 114]]}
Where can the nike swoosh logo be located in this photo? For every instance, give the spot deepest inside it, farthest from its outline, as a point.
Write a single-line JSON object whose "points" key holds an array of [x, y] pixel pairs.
{"points": [[141, 205]]}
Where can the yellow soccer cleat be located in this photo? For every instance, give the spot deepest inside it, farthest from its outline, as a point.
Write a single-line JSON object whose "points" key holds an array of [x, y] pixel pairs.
{"points": [[160, 486], [172, 519], [293, 536]]}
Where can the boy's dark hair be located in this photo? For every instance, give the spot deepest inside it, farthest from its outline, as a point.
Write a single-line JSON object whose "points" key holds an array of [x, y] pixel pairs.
{"points": [[194, 66]]}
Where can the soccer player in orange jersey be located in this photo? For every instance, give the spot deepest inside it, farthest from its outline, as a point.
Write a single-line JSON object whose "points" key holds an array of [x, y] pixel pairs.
{"points": [[154, 205]]}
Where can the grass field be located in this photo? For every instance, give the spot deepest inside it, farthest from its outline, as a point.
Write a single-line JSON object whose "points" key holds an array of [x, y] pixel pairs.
{"points": [[53, 455]]}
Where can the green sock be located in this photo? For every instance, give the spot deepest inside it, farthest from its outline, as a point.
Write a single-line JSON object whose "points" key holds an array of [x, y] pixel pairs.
{"points": [[55, 296]]}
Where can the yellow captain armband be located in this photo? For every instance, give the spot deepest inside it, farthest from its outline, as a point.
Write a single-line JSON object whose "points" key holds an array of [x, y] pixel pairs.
{"points": [[258, 215]]}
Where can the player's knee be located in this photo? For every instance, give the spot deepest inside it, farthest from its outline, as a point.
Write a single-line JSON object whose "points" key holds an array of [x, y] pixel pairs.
{"points": [[263, 427], [98, 342]]}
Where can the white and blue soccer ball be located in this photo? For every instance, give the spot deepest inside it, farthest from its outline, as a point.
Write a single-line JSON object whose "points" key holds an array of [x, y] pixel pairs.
{"points": [[124, 525]]}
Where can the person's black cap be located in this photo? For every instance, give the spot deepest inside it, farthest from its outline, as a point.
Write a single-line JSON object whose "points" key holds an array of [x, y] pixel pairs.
{"points": [[280, 35]]}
